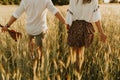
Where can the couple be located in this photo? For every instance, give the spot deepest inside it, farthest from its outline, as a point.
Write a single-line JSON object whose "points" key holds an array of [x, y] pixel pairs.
{"points": [[80, 15]]}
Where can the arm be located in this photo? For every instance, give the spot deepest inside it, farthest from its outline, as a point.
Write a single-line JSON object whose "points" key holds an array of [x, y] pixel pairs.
{"points": [[60, 17], [96, 17], [69, 15], [10, 22], [14, 16], [55, 11], [69, 19], [100, 30]]}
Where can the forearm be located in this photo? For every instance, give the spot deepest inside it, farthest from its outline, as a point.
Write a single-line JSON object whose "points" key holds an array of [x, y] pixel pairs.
{"points": [[60, 17], [99, 27], [11, 21]]}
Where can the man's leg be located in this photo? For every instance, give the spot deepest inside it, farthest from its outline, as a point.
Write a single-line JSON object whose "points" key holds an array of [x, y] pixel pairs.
{"points": [[38, 40], [31, 46], [40, 56]]}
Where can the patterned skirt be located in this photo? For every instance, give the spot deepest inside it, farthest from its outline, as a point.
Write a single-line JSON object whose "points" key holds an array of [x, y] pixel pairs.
{"points": [[80, 34]]}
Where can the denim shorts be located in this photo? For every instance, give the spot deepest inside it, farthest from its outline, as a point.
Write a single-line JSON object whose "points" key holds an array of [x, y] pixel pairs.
{"points": [[38, 39]]}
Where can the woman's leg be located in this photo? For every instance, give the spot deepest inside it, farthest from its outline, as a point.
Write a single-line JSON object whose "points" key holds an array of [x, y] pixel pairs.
{"points": [[74, 52], [79, 57]]}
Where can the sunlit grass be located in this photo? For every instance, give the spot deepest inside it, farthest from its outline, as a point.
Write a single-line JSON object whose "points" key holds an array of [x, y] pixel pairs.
{"points": [[101, 61]]}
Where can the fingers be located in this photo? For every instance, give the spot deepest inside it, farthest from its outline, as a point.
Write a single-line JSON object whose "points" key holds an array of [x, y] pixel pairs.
{"points": [[103, 38], [67, 26], [4, 29]]}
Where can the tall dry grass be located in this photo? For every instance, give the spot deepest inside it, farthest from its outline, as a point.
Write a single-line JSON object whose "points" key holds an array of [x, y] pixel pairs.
{"points": [[100, 61]]}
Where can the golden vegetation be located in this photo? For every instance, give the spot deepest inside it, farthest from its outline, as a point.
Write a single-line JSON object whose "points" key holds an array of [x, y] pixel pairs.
{"points": [[100, 61]]}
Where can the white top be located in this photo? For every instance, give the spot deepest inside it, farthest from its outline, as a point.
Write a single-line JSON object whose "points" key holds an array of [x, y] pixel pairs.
{"points": [[36, 14], [78, 11]]}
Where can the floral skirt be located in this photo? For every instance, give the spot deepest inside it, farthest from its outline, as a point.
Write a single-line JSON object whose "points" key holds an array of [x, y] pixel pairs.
{"points": [[80, 34]]}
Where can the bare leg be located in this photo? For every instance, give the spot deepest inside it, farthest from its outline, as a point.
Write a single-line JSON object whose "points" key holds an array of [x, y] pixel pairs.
{"points": [[39, 49], [31, 47], [79, 57], [74, 54]]}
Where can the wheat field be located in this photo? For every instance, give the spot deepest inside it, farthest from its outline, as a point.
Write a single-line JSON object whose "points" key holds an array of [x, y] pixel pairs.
{"points": [[100, 61]]}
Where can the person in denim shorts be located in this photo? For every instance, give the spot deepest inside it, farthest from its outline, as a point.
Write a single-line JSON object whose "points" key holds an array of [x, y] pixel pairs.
{"points": [[36, 23]]}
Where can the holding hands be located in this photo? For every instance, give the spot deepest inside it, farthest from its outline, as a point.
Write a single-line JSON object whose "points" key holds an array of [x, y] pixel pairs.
{"points": [[15, 35], [67, 26], [4, 28]]}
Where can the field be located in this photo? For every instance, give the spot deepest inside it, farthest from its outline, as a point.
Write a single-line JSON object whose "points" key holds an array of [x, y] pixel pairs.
{"points": [[100, 61]]}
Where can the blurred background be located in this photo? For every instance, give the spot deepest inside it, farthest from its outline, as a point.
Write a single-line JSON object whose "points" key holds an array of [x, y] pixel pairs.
{"points": [[100, 61], [57, 2]]}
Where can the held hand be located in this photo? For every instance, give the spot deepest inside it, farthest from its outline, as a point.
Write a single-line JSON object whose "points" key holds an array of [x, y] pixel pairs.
{"points": [[103, 37], [4, 28], [67, 26]]}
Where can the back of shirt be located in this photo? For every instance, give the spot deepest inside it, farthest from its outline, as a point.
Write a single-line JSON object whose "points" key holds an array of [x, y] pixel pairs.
{"points": [[83, 11], [36, 14]]}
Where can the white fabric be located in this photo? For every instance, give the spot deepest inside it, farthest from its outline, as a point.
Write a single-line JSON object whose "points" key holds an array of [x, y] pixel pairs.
{"points": [[36, 14], [83, 11]]}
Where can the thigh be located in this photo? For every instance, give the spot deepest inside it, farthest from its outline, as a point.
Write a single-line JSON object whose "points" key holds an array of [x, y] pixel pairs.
{"points": [[30, 40]]}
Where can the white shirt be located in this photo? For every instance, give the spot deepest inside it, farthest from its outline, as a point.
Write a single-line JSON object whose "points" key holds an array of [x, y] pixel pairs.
{"points": [[89, 12], [36, 14]]}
